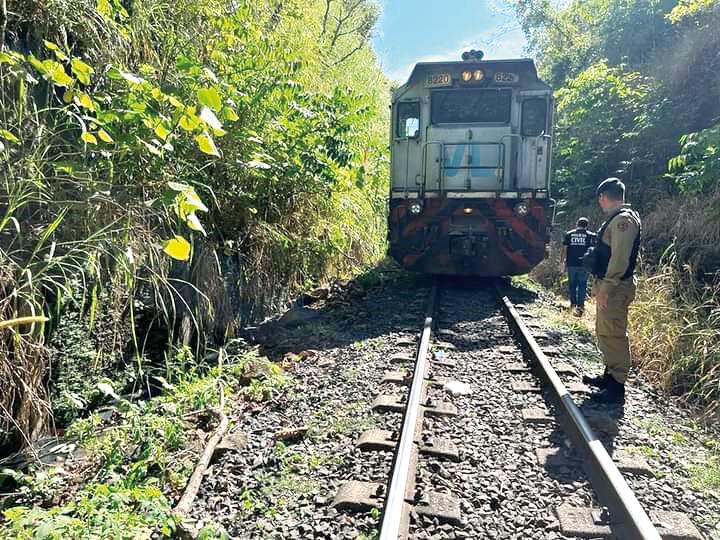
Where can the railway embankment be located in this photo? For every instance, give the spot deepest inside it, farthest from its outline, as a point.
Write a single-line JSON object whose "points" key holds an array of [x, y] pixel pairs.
{"points": [[299, 393]]}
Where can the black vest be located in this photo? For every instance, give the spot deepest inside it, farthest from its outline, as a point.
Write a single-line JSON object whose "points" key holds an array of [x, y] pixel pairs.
{"points": [[604, 252]]}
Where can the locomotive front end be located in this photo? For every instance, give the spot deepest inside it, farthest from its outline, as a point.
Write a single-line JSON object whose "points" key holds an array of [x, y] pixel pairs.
{"points": [[470, 154]]}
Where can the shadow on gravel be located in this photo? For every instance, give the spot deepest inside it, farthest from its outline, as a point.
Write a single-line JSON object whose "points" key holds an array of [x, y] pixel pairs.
{"points": [[352, 312], [355, 312]]}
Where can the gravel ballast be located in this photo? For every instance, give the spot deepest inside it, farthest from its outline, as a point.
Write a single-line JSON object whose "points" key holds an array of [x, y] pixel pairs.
{"points": [[280, 487]]}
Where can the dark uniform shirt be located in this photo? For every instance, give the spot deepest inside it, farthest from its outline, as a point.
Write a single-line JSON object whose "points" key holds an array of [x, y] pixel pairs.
{"points": [[578, 241]]}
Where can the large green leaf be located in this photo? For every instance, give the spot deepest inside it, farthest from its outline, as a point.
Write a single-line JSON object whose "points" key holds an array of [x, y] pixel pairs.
{"points": [[88, 137], [206, 144], [211, 120], [84, 101], [81, 70], [52, 71], [104, 136], [178, 248], [230, 115], [210, 98], [5, 134], [192, 202], [189, 122]]}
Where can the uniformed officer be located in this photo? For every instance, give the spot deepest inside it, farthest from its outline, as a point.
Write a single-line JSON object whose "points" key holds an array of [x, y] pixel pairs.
{"points": [[576, 242], [614, 261]]}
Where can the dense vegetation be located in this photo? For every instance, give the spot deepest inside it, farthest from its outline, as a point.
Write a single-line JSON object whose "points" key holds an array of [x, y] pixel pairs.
{"points": [[638, 96], [171, 170]]}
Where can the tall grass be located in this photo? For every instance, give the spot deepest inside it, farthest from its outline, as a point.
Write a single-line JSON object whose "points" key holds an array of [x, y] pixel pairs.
{"points": [[675, 332], [294, 182]]}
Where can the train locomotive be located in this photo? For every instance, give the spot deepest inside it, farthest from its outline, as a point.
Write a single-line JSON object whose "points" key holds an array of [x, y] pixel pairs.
{"points": [[470, 148]]}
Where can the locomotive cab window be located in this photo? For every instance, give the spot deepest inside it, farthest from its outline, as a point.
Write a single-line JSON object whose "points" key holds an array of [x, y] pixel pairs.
{"points": [[534, 117], [408, 120], [476, 106]]}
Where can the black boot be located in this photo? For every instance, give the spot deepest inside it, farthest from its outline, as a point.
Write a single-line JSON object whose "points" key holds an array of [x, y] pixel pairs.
{"points": [[600, 381], [613, 393]]}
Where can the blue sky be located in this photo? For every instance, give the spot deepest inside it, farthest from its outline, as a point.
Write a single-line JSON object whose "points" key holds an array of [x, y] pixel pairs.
{"points": [[411, 31]]}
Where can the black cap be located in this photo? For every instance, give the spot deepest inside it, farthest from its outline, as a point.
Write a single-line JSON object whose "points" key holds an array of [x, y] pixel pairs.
{"points": [[613, 188]]}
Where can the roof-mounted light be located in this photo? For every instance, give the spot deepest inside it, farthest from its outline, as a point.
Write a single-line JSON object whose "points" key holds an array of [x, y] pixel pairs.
{"points": [[472, 55]]}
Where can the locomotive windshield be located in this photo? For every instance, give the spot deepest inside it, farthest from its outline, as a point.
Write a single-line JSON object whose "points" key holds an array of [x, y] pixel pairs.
{"points": [[479, 105]]}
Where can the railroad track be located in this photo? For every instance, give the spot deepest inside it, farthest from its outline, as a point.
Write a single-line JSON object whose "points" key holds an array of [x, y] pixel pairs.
{"points": [[616, 511]]}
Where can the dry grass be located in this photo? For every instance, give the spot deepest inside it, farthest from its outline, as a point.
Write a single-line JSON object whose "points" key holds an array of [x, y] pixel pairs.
{"points": [[692, 226], [675, 334], [674, 326]]}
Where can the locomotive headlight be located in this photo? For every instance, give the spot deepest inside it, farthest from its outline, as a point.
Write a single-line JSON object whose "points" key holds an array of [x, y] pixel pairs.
{"points": [[468, 210], [522, 208], [478, 74], [467, 76], [415, 208]]}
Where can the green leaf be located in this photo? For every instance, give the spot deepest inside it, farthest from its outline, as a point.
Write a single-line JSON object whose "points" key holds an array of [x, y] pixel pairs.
{"points": [[88, 137], [104, 136], [55, 49], [211, 120], [175, 102], [192, 202], [210, 98], [51, 70], [9, 58], [188, 122], [206, 144], [85, 101], [5, 134], [107, 117], [178, 248], [81, 70], [37, 64], [114, 74], [105, 8], [230, 115], [161, 131], [194, 223]]}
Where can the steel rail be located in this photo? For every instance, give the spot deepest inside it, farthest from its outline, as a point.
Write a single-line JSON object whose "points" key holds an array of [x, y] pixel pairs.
{"points": [[394, 510], [628, 519]]}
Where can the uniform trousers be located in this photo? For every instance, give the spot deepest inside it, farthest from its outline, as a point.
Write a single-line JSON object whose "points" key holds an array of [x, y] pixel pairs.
{"points": [[611, 328]]}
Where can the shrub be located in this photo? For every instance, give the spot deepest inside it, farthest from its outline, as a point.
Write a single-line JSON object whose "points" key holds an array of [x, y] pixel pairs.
{"points": [[675, 332]]}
